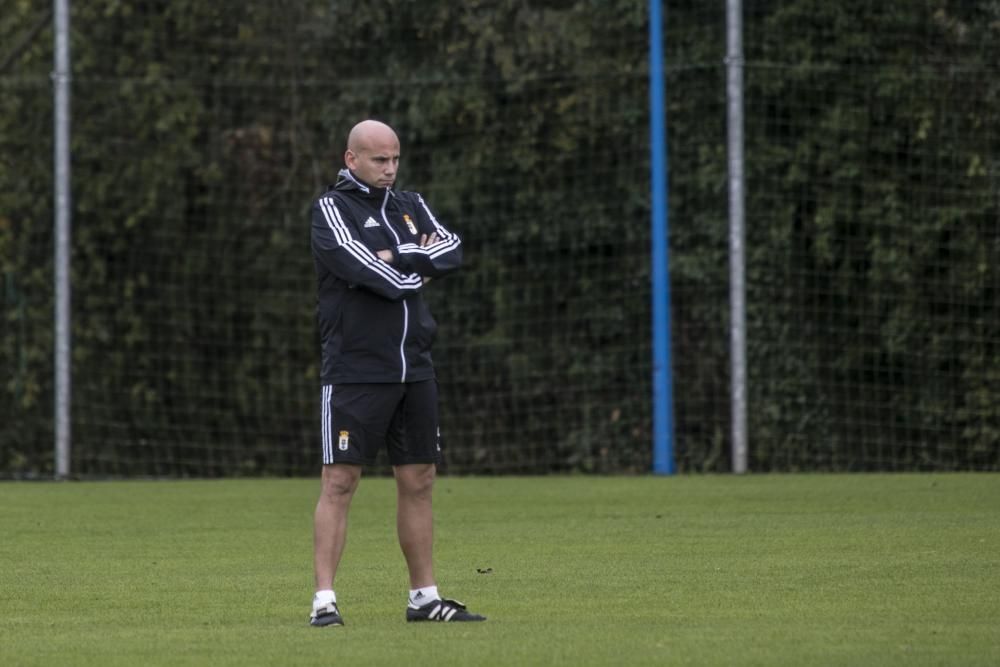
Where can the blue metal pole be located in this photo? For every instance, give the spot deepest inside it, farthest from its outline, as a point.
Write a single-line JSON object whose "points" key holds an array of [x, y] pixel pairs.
{"points": [[663, 426]]}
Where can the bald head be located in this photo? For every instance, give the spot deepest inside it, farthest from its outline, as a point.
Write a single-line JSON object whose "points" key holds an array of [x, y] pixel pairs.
{"points": [[367, 132], [373, 153]]}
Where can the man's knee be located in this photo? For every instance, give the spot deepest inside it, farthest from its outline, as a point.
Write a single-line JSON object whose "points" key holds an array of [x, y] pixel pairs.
{"points": [[340, 482], [415, 479]]}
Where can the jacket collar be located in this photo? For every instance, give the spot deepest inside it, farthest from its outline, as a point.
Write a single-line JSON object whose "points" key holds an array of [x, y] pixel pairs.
{"points": [[346, 180]]}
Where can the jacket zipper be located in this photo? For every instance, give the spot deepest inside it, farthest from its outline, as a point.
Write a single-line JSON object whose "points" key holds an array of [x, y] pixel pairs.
{"points": [[406, 310]]}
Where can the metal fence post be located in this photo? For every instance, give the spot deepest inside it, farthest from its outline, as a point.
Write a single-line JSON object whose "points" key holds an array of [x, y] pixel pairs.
{"points": [[737, 271], [61, 78]]}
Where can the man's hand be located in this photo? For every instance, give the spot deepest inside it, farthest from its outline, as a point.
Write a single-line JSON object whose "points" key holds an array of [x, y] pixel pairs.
{"points": [[385, 256], [425, 241]]}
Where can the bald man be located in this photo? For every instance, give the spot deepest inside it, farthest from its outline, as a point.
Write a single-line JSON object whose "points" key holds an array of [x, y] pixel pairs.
{"points": [[375, 249]]}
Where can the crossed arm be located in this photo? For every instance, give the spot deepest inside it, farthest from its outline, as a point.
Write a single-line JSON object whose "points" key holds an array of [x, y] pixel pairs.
{"points": [[425, 240]]}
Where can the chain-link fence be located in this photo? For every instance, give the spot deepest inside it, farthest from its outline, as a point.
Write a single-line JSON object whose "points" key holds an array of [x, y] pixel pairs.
{"points": [[202, 131]]}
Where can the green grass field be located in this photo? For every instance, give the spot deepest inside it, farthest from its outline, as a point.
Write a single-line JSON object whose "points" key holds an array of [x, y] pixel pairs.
{"points": [[758, 570]]}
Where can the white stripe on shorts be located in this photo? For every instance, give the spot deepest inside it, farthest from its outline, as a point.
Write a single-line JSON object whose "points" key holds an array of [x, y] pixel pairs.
{"points": [[326, 426]]}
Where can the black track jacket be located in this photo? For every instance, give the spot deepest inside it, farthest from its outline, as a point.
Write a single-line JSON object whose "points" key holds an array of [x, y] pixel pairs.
{"points": [[374, 325]]}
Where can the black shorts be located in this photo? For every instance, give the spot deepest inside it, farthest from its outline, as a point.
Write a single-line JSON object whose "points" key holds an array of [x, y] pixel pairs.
{"points": [[359, 418]]}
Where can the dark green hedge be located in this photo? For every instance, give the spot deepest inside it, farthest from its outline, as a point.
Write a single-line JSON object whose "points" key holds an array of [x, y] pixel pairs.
{"points": [[201, 132]]}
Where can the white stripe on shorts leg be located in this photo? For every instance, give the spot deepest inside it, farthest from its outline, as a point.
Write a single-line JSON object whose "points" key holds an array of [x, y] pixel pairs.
{"points": [[329, 424], [327, 434], [322, 420]]}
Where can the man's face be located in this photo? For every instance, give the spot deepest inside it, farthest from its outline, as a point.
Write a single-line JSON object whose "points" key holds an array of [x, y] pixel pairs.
{"points": [[375, 160]]}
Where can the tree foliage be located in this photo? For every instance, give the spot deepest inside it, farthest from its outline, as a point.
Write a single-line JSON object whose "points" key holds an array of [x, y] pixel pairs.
{"points": [[201, 132]]}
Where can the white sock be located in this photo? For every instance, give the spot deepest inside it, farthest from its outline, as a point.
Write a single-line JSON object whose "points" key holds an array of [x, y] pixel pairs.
{"points": [[323, 598], [421, 596]]}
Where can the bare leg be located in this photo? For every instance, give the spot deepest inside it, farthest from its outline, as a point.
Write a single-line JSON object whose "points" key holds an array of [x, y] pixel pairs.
{"points": [[330, 521], [415, 520]]}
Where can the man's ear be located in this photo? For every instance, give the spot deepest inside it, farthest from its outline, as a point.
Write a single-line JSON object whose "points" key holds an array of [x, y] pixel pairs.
{"points": [[350, 159]]}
